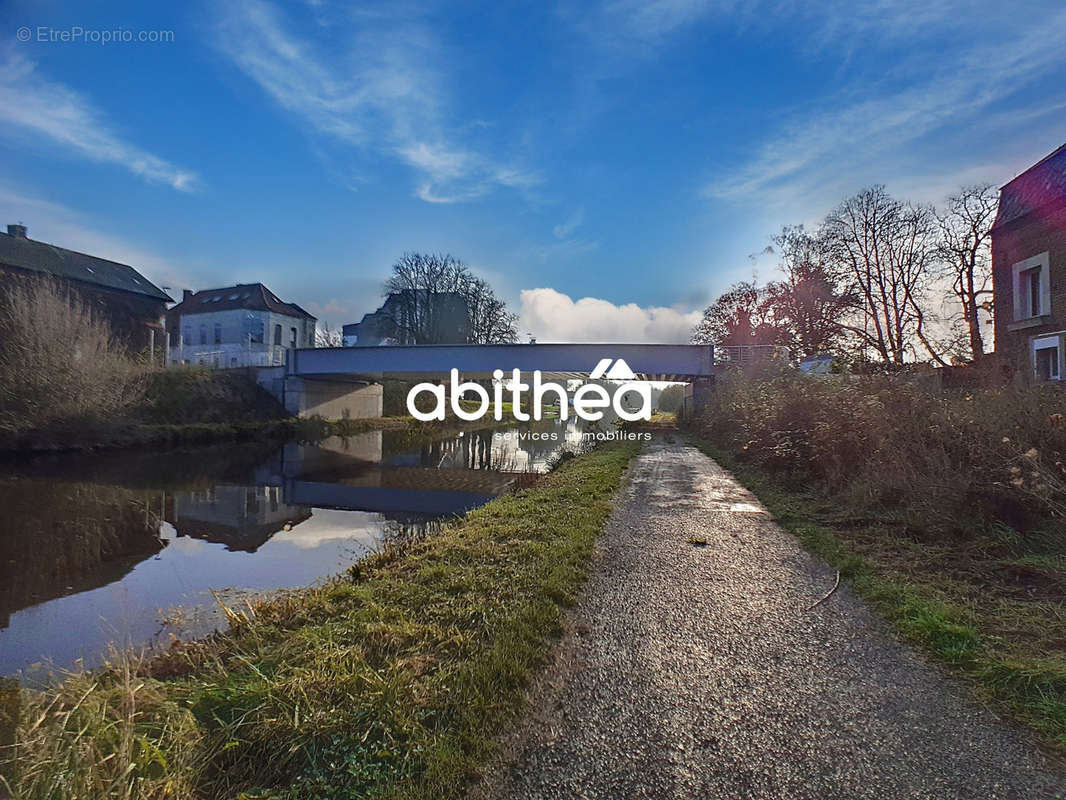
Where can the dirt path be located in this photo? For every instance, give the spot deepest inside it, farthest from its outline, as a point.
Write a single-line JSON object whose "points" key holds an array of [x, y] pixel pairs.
{"points": [[695, 671]]}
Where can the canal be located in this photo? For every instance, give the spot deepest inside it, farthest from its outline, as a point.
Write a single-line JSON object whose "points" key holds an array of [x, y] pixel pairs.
{"points": [[136, 549]]}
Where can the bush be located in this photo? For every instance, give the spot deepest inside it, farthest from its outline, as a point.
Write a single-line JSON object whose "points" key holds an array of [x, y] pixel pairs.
{"points": [[58, 362], [885, 444], [672, 399]]}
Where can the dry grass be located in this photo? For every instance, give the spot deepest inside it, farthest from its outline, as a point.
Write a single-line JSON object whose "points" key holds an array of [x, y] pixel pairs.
{"points": [[58, 362], [950, 462]]}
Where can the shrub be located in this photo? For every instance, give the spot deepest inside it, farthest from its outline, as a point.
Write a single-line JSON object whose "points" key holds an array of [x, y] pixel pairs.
{"points": [[886, 444], [57, 361], [197, 394]]}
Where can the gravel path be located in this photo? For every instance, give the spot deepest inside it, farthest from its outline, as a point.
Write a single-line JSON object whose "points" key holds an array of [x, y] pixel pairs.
{"points": [[695, 671]]}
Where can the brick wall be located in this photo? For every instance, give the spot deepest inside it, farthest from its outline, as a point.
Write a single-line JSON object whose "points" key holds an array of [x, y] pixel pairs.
{"points": [[1016, 241]]}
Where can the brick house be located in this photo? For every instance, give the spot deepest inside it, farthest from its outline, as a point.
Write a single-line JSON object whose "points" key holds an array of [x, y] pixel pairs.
{"points": [[1029, 270], [133, 306]]}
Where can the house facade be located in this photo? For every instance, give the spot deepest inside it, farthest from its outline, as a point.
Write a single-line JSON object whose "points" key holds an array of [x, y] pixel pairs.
{"points": [[1029, 270], [237, 326], [133, 306]]}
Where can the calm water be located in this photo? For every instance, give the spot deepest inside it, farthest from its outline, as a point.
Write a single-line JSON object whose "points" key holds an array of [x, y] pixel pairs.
{"points": [[127, 548]]}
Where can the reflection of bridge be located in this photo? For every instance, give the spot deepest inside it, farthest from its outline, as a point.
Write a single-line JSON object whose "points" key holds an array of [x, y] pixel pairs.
{"points": [[383, 499], [333, 481], [343, 381]]}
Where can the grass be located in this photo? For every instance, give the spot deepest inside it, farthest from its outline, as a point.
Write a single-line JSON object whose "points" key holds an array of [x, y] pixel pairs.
{"points": [[388, 682], [996, 619]]}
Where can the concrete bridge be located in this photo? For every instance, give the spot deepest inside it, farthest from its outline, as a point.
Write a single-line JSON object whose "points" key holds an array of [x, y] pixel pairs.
{"points": [[337, 382]]}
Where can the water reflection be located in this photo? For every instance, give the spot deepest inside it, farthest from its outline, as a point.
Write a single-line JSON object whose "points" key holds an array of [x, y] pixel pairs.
{"points": [[101, 549]]}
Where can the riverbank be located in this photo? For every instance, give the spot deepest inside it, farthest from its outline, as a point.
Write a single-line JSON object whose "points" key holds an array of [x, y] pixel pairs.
{"points": [[393, 678], [199, 405], [990, 611], [89, 436]]}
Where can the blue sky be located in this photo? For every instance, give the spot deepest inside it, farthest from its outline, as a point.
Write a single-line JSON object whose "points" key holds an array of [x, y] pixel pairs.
{"points": [[609, 167]]}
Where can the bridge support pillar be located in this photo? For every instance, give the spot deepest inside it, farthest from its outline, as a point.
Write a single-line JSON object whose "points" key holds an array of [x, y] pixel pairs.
{"points": [[697, 395], [332, 399]]}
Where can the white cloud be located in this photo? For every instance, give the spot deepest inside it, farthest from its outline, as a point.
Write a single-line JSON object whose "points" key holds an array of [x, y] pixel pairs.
{"points": [[853, 137], [552, 316], [380, 89], [32, 105], [59, 225]]}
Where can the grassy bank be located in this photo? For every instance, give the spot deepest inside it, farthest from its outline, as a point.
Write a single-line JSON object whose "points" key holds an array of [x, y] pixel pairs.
{"points": [[389, 681], [945, 520]]}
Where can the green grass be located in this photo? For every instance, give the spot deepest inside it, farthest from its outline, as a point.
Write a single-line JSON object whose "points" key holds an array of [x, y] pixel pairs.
{"points": [[390, 681], [950, 598]]}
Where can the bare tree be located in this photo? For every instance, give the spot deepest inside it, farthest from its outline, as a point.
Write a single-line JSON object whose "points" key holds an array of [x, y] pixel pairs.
{"points": [[435, 299], [738, 317], [490, 321], [965, 250], [810, 303], [887, 249]]}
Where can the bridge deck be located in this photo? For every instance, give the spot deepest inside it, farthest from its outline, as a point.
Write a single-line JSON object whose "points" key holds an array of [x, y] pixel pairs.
{"points": [[647, 361]]}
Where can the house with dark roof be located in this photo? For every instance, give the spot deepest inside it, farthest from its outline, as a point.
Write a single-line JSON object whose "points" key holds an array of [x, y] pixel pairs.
{"points": [[243, 518], [1029, 270], [132, 305], [237, 326]]}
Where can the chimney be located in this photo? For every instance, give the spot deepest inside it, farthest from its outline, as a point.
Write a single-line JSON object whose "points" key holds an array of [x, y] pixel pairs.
{"points": [[18, 231], [186, 294]]}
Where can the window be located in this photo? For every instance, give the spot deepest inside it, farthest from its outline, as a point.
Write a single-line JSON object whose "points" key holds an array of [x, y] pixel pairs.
{"points": [[1032, 288], [292, 337], [218, 333], [277, 334], [1047, 357], [256, 331], [186, 335], [203, 334]]}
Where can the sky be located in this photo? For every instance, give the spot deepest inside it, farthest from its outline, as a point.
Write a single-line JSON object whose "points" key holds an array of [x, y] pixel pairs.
{"points": [[609, 167]]}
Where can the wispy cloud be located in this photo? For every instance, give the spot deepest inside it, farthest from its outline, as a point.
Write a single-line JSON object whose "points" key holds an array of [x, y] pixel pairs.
{"points": [[565, 249], [31, 105], [379, 89], [838, 25], [906, 72], [564, 229], [960, 93]]}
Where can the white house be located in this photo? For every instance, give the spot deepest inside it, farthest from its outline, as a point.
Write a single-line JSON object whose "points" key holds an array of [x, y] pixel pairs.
{"points": [[236, 326]]}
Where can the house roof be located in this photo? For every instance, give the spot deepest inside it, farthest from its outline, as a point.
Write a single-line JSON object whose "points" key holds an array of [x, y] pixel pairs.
{"points": [[1041, 184], [29, 254], [252, 296]]}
